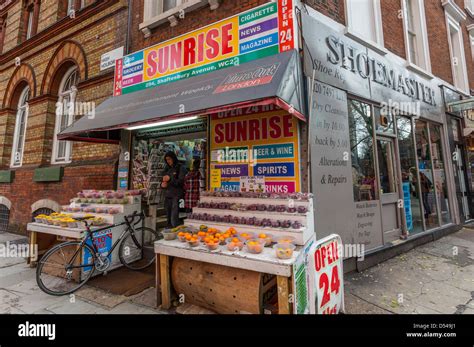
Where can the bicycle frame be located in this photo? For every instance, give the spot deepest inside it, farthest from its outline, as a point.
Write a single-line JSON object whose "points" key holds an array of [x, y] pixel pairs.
{"points": [[90, 235]]}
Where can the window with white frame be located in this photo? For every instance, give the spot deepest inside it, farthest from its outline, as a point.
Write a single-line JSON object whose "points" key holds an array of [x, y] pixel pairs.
{"points": [[29, 25], [416, 37], [65, 115], [154, 8], [364, 20], [456, 49], [20, 128], [469, 6]]}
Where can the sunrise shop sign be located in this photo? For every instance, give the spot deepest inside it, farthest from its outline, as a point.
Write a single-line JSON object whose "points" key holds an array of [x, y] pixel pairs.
{"points": [[263, 31]]}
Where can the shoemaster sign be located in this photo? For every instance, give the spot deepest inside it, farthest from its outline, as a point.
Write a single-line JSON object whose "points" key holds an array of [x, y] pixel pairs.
{"points": [[258, 33]]}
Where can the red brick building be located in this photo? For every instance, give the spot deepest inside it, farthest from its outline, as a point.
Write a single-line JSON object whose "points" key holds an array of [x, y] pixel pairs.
{"points": [[50, 51]]}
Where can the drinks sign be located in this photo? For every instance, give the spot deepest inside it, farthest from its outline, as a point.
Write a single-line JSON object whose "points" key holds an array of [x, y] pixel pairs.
{"points": [[256, 150], [258, 33]]}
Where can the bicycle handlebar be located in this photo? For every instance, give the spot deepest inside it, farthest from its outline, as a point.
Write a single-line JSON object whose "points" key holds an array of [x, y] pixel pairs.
{"points": [[131, 218]]}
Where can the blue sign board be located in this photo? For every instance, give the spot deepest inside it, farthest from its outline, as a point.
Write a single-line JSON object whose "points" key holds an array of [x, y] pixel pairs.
{"points": [[275, 170]]}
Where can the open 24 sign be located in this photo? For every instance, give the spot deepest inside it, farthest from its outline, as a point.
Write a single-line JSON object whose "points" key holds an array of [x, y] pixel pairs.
{"points": [[326, 276]]}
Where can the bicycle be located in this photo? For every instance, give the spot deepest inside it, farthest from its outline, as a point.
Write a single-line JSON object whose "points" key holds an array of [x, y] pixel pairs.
{"points": [[61, 272]]}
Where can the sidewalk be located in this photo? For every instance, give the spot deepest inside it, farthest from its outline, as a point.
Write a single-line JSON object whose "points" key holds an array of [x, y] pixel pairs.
{"points": [[437, 277], [19, 293]]}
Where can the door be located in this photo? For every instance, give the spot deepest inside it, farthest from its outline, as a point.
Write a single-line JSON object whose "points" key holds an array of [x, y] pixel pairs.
{"points": [[389, 195], [462, 188]]}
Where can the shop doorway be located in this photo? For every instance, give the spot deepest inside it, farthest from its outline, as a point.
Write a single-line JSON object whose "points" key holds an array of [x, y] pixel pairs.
{"points": [[188, 141], [389, 195], [458, 149]]}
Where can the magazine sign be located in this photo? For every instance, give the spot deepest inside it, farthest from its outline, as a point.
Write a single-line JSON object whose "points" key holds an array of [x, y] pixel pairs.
{"points": [[326, 276]]}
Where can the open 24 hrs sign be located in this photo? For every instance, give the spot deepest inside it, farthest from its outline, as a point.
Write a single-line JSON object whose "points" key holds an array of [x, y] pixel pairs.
{"points": [[326, 280]]}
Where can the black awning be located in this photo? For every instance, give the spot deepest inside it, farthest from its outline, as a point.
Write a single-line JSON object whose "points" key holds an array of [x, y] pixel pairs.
{"points": [[273, 80]]}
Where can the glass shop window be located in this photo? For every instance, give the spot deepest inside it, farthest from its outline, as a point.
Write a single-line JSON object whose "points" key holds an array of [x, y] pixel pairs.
{"points": [[362, 151]]}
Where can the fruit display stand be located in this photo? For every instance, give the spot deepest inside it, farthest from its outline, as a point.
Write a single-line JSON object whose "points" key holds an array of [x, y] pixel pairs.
{"points": [[45, 236], [237, 281]]}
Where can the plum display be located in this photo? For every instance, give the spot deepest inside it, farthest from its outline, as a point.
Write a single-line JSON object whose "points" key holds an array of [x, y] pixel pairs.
{"points": [[296, 225]]}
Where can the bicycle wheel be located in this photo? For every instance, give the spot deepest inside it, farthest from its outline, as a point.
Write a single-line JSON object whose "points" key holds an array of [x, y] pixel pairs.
{"points": [[53, 275], [140, 254]]}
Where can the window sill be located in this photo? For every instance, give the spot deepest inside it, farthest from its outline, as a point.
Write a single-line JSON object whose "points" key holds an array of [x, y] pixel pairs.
{"points": [[171, 15], [365, 42], [419, 70], [470, 12]]}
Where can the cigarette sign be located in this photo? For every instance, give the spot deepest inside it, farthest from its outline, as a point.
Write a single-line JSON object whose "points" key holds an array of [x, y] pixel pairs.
{"points": [[326, 276], [254, 34]]}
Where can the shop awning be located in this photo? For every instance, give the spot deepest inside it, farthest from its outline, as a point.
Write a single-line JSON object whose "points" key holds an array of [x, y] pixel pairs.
{"points": [[272, 80]]}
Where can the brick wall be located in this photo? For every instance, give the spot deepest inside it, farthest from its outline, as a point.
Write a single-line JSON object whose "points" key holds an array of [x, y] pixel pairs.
{"points": [[333, 9], [13, 27], [193, 20], [23, 192], [393, 27], [93, 166]]}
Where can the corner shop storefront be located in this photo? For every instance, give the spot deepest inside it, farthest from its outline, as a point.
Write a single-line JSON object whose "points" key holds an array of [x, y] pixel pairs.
{"points": [[378, 142], [235, 103]]}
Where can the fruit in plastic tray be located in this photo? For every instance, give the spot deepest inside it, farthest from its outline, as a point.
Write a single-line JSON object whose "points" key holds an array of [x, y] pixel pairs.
{"points": [[251, 221], [285, 224], [296, 225], [182, 236], [285, 239], [266, 223], [246, 235], [261, 207], [234, 244], [254, 246], [212, 245], [291, 209], [193, 241], [223, 205], [243, 220], [280, 208], [252, 207], [235, 220], [275, 224], [258, 222], [271, 208], [302, 209], [119, 195], [267, 238], [284, 250]]}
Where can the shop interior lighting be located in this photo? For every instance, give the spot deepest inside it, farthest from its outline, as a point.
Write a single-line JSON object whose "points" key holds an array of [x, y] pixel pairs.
{"points": [[165, 122]]}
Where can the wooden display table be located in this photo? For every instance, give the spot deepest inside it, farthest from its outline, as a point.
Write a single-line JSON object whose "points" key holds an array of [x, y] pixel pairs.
{"points": [[265, 263], [45, 236]]}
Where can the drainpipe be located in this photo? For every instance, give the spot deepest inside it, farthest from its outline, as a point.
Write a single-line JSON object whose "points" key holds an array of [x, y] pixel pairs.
{"points": [[129, 20]]}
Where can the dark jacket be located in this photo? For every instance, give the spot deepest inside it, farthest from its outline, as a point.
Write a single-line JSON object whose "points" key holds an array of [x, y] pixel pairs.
{"points": [[177, 173]]}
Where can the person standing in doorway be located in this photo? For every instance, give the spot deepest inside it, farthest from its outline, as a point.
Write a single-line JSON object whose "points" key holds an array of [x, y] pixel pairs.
{"points": [[426, 186], [173, 186], [192, 186]]}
